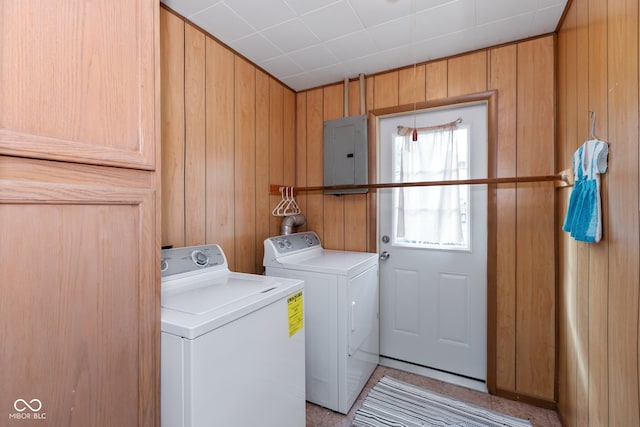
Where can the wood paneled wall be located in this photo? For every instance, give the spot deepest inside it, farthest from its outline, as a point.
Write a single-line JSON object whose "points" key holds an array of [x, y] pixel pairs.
{"points": [[599, 285], [228, 131], [524, 76]]}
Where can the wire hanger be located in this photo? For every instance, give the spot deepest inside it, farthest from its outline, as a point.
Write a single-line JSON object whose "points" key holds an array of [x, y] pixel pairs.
{"points": [[287, 205], [592, 130]]}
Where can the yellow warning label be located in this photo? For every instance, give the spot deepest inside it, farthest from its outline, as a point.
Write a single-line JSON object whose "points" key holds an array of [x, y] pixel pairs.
{"points": [[296, 316]]}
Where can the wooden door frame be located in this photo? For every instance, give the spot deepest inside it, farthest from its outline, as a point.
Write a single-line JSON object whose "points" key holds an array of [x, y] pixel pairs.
{"points": [[491, 99]]}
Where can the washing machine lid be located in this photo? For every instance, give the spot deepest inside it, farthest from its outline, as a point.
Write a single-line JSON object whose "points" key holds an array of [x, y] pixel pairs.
{"points": [[200, 294], [207, 303], [210, 294]]}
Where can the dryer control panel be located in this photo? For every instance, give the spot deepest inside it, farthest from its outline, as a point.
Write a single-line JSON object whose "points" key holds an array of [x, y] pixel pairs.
{"points": [[292, 243]]}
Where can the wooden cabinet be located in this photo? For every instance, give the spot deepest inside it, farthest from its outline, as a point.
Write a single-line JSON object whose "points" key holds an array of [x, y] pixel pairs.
{"points": [[79, 237], [78, 81]]}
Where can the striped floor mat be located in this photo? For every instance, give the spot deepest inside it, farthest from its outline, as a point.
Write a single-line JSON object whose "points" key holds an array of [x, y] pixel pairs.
{"points": [[393, 403]]}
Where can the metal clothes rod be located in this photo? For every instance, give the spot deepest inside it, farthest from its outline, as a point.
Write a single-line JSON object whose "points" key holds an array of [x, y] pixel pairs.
{"points": [[564, 178]]}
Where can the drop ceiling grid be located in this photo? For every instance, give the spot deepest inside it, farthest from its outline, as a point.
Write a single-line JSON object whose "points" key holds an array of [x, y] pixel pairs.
{"points": [[309, 43]]}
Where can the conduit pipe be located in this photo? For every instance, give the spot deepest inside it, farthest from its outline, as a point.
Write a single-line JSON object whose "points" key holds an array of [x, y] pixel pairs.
{"points": [[363, 107], [346, 97]]}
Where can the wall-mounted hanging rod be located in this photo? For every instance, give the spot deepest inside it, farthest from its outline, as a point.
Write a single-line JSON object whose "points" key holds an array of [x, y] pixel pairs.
{"points": [[564, 178]]}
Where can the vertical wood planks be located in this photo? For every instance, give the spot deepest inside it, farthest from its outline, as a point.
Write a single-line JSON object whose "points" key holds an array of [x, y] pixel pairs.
{"points": [[245, 164], [276, 147], [598, 405], [571, 142], [535, 259], [195, 197], [566, 245], [220, 149], [313, 162], [412, 85], [289, 135], [263, 199], [173, 125], [333, 205], [467, 74], [301, 152], [600, 361], [582, 283], [622, 87], [355, 205], [436, 76], [386, 90], [503, 79]]}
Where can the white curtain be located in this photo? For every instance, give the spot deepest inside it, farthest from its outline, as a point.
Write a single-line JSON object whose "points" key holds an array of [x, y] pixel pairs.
{"points": [[429, 214]]}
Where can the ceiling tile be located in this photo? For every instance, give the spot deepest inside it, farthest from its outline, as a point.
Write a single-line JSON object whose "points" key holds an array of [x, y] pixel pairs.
{"points": [[499, 32], [352, 46], [545, 20], [392, 34], [261, 14], [503, 9], [380, 61], [280, 35], [305, 6], [547, 3], [313, 57], [187, 8], [300, 80], [386, 10], [336, 72], [429, 4], [453, 42], [333, 21], [256, 47], [281, 66], [449, 18], [222, 23]]}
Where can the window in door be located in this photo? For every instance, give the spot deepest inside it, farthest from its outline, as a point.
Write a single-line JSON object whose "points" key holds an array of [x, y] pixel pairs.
{"points": [[432, 217]]}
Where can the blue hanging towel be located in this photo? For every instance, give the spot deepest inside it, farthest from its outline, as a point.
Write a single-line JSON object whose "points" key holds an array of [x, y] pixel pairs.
{"points": [[584, 215]]}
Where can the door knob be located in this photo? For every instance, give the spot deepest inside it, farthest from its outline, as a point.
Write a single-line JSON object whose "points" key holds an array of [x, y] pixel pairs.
{"points": [[384, 256]]}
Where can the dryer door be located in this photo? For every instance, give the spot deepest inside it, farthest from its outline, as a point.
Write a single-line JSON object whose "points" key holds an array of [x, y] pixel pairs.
{"points": [[363, 312]]}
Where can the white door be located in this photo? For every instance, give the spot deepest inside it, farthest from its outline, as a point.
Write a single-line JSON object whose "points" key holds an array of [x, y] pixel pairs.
{"points": [[433, 293]]}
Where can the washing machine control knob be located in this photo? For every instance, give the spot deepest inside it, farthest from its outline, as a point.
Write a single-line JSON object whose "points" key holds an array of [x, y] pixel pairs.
{"points": [[284, 243], [164, 265], [199, 258]]}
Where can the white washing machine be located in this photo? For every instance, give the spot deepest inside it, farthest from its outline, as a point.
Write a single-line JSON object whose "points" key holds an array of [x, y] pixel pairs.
{"points": [[341, 314], [232, 344]]}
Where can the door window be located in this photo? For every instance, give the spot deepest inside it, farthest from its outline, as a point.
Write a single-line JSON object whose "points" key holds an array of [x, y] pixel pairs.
{"points": [[432, 217]]}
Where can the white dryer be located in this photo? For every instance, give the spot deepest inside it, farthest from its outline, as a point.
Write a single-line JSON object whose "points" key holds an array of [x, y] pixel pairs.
{"points": [[341, 314], [232, 344]]}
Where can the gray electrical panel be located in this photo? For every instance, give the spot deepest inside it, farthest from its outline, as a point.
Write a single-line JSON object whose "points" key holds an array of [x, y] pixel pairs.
{"points": [[345, 153]]}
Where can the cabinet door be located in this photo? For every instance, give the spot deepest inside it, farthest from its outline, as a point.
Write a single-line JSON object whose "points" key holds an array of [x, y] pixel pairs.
{"points": [[77, 81], [79, 300]]}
